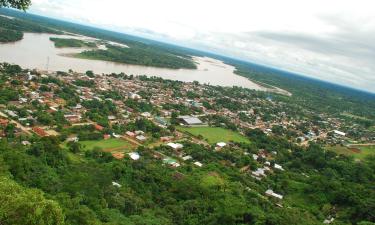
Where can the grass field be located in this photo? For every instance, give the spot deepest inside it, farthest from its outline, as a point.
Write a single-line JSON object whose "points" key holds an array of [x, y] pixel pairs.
{"points": [[107, 145], [364, 150], [215, 134]]}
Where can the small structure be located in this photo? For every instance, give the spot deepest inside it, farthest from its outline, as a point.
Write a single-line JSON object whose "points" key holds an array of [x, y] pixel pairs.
{"points": [[337, 132], [134, 156], [188, 157], [98, 127], [171, 162], [175, 146], [270, 192], [39, 131], [116, 184], [198, 164], [130, 134], [141, 138], [279, 167]]}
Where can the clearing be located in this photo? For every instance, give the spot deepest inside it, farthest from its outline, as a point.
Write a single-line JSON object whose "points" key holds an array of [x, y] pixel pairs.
{"points": [[215, 134], [110, 145], [357, 151]]}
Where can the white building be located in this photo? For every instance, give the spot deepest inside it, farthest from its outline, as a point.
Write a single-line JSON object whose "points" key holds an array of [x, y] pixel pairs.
{"points": [[270, 192]]}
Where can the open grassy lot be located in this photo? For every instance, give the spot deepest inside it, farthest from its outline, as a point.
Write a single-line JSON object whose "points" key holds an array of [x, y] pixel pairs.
{"points": [[215, 134], [107, 145], [357, 151]]}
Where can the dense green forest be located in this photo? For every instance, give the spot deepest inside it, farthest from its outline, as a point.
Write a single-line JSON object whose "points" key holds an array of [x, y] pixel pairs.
{"points": [[71, 42], [7, 35], [80, 191], [139, 56], [313, 94], [12, 29]]}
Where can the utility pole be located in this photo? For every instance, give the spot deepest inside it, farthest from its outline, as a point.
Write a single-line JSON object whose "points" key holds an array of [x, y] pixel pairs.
{"points": [[47, 65]]}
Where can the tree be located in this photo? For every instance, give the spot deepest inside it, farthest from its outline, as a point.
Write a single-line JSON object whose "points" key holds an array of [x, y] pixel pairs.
{"points": [[74, 147], [18, 4], [26, 206]]}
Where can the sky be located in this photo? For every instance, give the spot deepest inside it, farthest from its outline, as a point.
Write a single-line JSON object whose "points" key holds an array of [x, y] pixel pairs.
{"points": [[332, 40]]}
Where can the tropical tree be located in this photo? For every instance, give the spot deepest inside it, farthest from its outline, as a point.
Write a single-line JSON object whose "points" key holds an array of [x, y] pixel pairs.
{"points": [[18, 4]]}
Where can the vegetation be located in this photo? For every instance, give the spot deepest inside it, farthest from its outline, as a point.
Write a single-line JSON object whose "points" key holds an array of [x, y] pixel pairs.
{"points": [[355, 151], [139, 56], [321, 97], [12, 29], [7, 35], [215, 134], [71, 43], [18, 4], [109, 144]]}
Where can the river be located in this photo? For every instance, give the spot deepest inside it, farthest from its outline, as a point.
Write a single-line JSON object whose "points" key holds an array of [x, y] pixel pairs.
{"points": [[36, 51]]}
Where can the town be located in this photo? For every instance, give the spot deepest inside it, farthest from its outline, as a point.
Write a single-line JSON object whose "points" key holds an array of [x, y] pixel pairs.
{"points": [[180, 125]]}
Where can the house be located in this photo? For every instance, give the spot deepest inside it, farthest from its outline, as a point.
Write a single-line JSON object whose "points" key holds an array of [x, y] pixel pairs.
{"points": [[259, 172], [118, 155], [337, 132], [141, 138], [146, 114], [26, 143], [39, 131], [161, 121], [72, 139], [175, 146], [166, 138], [116, 135], [111, 117], [4, 122], [270, 192], [139, 132], [171, 162], [130, 134], [134, 155], [72, 118], [98, 127], [190, 121], [198, 164], [221, 144], [116, 184], [279, 167], [188, 157]]}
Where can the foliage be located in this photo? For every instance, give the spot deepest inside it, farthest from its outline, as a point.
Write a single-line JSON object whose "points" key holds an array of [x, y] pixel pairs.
{"points": [[71, 43]]}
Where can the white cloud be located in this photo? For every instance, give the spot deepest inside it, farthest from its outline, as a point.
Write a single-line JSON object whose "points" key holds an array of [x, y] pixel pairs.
{"points": [[330, 40]]}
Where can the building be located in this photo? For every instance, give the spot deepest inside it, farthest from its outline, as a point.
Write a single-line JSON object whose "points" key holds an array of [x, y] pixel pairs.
{"points": [[270, 193], [141, 138], [337, 132], [39, 131], [190, 121], [134, 155], [175, 146]]}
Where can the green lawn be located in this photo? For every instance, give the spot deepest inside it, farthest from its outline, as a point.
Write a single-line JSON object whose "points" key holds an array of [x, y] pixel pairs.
{"points": [[116, 144], [215, 134], [364, 150]]}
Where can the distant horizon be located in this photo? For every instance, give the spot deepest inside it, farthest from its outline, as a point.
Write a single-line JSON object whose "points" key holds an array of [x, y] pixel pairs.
{"points": [[208, 51]]}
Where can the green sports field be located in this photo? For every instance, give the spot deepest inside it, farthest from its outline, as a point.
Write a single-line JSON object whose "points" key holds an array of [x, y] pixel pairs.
{"points": [[215, 134], [107, 145], [361, 154]]}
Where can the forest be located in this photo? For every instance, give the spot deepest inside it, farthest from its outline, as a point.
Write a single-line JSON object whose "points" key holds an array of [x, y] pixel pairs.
{"points": [[71, 43], [139, 56], [7, 35], [12, 29]]}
